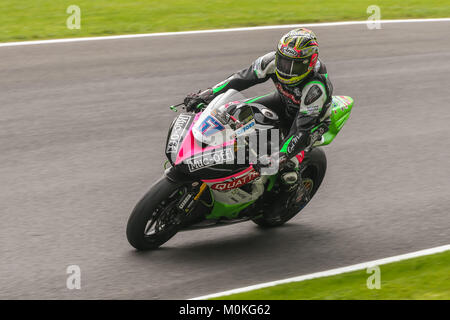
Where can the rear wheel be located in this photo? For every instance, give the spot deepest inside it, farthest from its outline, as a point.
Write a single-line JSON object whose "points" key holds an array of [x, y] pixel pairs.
{"points": [[313, 171], [155, 219]]}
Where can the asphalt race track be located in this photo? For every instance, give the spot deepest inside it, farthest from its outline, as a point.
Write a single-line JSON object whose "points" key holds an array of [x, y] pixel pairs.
{"points": [[82, 132]]}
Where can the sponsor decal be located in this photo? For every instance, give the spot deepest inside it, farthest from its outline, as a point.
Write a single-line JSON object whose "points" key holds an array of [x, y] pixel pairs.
{"points": [[245, 128], [293, 142], [185, 201], [317, 135], [236, 182], [290, 51], [311, 108], [288, 95], [177, 133], [210, 126], [210, 159], [300, 157]]}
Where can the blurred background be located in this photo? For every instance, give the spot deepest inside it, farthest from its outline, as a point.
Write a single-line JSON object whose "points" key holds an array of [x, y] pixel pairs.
{"points": [[45, 19]]}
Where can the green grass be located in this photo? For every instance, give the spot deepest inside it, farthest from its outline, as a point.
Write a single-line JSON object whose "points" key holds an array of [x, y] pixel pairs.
{"points": [[46, 19], [426, 277]]}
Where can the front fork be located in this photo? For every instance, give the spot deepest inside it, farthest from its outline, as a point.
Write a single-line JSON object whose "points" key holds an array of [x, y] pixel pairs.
{"points": [[190, 199], [193, 190]]}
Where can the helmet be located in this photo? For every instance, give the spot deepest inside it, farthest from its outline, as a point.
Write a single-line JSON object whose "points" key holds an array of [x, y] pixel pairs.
{"points": [[296, 55]]}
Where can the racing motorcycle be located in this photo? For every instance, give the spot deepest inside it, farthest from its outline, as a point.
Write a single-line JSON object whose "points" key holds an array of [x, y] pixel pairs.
{"points": [[214, 176]]}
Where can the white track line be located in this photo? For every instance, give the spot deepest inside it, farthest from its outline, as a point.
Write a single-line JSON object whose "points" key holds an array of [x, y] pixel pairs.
{"points": [[331, 272], [164, 34]]}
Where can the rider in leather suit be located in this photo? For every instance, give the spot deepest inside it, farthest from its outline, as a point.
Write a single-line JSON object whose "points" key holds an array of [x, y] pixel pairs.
{"points": [[303, 95]]}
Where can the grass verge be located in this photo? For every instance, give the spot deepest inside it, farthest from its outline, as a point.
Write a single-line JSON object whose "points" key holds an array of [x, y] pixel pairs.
{"points": [[46, 19], [426, 277]]}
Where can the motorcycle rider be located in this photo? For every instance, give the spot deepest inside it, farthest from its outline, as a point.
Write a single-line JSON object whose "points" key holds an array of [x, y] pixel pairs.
{"points": [[302, 99]]}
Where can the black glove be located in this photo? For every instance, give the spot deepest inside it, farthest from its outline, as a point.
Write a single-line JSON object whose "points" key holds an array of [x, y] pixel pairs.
{"points": [[192, 100], [196, 101]]}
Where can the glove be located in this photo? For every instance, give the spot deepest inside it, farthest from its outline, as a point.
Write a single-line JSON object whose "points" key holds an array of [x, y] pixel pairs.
{"points": [[192, 101]]}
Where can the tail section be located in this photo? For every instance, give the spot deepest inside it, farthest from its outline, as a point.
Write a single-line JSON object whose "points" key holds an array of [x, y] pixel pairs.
{"points": [[341, 106]]}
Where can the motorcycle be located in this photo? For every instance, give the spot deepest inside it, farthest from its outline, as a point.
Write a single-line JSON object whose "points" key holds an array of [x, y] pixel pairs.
{"points": [[206, 186]]}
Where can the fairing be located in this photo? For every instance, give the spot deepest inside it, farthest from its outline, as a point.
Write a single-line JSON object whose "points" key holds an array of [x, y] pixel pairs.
{"points": [[341, 106], [207, 148]]}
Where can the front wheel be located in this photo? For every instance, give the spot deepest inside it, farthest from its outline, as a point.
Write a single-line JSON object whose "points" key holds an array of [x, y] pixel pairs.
{"points": [[313, 169], [155, 219]]}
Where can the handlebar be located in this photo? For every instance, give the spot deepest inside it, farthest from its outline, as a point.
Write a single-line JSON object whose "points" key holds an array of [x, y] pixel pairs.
{"points": [[198, 108], [174, 107]]}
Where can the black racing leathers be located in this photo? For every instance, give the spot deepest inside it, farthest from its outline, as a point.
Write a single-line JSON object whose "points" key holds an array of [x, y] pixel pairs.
{"points": [[301, 107]]}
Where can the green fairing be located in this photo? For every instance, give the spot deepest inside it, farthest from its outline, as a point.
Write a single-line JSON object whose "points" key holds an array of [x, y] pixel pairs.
{"points": [[340, 112], [286, 144], [341, 107], [230, 211]]}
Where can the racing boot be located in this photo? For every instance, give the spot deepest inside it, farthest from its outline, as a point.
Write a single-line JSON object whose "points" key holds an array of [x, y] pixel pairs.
{"points": [[292, 191], [294, 188]]}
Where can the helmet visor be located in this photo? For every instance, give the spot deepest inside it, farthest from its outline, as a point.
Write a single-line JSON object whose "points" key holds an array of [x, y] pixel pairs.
{"points": [[291, 67]]}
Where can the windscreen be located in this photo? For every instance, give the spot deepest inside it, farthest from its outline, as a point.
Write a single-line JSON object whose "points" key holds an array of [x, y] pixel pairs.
{"points": [[217, 123]]}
